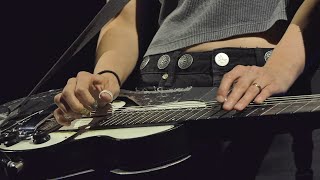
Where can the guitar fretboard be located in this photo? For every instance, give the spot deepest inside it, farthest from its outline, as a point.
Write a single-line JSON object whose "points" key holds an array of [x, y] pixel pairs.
{"points": [[188, 111]]}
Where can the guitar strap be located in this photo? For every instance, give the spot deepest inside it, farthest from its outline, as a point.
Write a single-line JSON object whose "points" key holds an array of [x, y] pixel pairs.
{"points": [[107, 12]]}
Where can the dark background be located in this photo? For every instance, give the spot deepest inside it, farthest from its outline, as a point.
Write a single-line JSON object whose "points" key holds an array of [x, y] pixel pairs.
{"points": [[35, 34]]}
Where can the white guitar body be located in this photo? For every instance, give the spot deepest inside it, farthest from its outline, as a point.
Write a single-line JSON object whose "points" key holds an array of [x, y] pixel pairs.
{"points": [[116, 134]]}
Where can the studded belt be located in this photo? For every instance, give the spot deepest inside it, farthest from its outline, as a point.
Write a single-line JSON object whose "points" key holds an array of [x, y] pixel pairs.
{"points": [[163, 68]]}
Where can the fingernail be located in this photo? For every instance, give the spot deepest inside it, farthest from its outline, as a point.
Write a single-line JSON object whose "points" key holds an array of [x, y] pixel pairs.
{"points": [[227, 106], [239, 107], [106, 94], [258, 101], [94, 106], [220, 99]]}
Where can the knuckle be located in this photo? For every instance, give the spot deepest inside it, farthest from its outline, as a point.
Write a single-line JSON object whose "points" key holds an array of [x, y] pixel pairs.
{"points": [[81, 74], [239, 67], [80, 91], [76, 108], [71, 80], [228, 75], [56, 98], [240, 87], [254, 69], [253, 90], [65, 94]]}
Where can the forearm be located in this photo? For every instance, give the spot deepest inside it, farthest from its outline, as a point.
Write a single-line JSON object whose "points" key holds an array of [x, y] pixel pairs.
{"points": [[118, 52], [117, 48], [290, 53], [306, 13]]}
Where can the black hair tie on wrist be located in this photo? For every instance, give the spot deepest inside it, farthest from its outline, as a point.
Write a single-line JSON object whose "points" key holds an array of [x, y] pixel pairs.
{"points": [[112, 72]]}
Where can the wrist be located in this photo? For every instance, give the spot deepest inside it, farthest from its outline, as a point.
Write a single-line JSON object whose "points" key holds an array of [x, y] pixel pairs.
{"points": [[289, 54], [284, 68], [111, 76], [111, 60]]}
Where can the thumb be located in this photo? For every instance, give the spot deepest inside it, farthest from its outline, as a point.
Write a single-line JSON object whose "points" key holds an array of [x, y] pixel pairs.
{"points": [[104, 94]]}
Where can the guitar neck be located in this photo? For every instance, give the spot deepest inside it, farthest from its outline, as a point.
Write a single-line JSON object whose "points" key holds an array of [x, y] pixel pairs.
{"points": [[190, 111]]}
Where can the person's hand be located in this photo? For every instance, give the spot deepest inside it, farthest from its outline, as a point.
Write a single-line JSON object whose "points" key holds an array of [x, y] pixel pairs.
{"points": [[244, 84], [83, 94]]}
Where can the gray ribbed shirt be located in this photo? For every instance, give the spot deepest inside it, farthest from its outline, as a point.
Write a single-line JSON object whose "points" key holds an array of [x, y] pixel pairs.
{"points": [[185, 23]]}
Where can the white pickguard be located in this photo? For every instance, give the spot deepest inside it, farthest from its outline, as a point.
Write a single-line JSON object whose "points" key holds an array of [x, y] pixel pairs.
{"points": [[120, 133]]}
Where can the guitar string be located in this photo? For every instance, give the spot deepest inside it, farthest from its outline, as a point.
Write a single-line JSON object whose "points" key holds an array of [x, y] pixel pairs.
{"points": [[127, 119], [272, 101], [123, 111], [155, 108], [196, 110], [124, 121]]}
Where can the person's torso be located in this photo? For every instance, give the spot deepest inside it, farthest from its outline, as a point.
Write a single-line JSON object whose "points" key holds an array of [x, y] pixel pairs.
{"points": [[200, 25]]}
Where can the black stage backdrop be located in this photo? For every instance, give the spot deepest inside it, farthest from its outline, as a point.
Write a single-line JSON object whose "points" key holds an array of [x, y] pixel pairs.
{"points": [[36, 33]]}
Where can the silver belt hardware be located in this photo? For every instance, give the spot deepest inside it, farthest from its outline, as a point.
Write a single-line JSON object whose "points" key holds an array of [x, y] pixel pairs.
{"points": [[185, 61], [222, 59], [144, 62], [267, 55], [165, 76], [163, 61]]}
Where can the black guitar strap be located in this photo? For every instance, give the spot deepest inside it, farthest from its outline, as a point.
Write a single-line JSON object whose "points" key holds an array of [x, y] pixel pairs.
{"points": [[107, 12]]}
